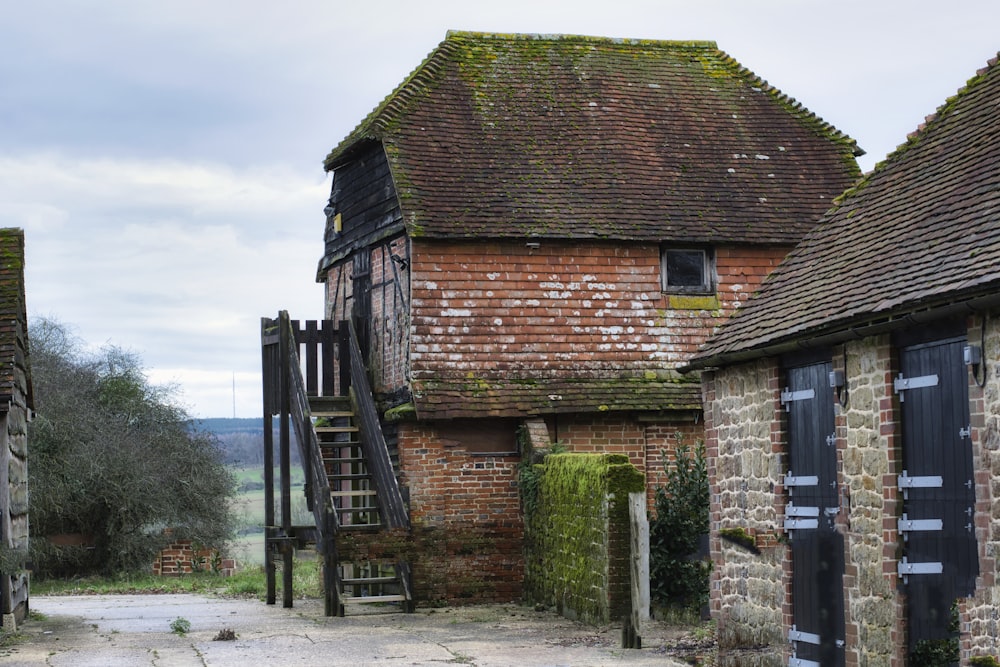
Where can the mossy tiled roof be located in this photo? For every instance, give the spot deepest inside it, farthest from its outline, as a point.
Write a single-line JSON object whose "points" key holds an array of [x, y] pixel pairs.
{"points": [[503, 394], [13, 318], [577, 137], [919, 233]]}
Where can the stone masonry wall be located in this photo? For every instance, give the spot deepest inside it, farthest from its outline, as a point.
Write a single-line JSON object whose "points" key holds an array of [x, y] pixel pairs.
{"points": [[751, 593], [869, 449], [981, 614], [747, 596]]}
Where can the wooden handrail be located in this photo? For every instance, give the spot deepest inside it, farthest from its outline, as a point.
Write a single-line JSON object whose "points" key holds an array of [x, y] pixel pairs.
{"points": [[394, 513], [305, 434]]}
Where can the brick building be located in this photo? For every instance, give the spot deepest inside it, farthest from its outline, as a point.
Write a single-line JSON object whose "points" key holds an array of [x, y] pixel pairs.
{"points": [[543, 229], [15, 410], [853, 417]]}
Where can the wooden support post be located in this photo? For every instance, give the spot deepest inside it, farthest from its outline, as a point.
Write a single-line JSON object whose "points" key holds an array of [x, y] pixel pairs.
{"points": [[271, 364], [331, 582], [639, 571], [287, 552], [269, 532]]}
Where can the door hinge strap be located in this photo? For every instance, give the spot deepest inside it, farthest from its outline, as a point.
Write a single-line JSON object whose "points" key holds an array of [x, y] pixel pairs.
{"points": [[793, 510], [798, 395], [800, 636], [800, 480], [801, 524], [906, 525], [904, 481], [901, 383], [906, 568], [802, 662]]}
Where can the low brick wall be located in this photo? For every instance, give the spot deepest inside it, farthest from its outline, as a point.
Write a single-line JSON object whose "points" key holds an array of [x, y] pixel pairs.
{"points": [[182, 557], [577, 538]]}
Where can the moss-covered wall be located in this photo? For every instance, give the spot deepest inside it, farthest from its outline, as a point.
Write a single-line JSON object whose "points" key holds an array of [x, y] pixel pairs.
{"points": [[577, 533]]}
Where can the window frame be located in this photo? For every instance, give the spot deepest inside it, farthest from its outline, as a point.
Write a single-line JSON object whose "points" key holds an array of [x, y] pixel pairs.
{"points": [[709, 278]]}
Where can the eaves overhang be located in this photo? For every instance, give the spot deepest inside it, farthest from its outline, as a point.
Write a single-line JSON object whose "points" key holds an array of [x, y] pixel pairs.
{"points": [[848, 330]]}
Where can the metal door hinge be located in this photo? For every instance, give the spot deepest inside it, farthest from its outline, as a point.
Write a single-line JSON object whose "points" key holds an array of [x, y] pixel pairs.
{"points": [[906, 568], [905, 482], [795, 635], [901, 384], [906, 525], [797, 395], [800, 480]]}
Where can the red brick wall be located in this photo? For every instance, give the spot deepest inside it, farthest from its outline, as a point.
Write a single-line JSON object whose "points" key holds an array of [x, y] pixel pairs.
{"points": [[181, 557], [645, 443], [564, 305], [466, 514]]}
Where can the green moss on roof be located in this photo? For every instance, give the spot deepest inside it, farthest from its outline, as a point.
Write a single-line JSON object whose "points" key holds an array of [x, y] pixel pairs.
{"points": [[511, 136], [474, 51]]}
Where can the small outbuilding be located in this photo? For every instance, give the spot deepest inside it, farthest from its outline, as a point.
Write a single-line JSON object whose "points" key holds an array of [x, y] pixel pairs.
{"points": [[15, 410], [852, 415]]}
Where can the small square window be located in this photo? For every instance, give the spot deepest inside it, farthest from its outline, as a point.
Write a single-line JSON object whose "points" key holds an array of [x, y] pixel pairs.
{"points": [[687, 270]]}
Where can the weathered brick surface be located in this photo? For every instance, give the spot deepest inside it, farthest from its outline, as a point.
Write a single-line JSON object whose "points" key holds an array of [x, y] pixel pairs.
{"points": [[466, 508], [388, 326], [183, 557]]}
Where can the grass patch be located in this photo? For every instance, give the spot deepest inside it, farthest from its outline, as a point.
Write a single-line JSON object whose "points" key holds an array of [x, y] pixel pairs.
{"points": [[248, 582]]}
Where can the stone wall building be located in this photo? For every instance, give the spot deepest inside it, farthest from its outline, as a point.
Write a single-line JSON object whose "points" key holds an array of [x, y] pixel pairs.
{"points": [[853, 417]]}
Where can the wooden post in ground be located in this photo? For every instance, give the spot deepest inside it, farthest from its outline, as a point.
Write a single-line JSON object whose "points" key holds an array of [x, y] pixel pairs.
{"points": [[639, 571]]}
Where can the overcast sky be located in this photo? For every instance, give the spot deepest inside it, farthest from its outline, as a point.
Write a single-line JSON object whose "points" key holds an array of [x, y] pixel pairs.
{"points": [[165, 158]]}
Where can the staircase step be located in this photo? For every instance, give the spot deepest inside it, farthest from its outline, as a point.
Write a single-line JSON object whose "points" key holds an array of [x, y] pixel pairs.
{"points": [[360, 527], [344, 477], [369, 599], [355, 510], [369, 580], [335, 429], [340, 459], [331, 414], [354, 493]]}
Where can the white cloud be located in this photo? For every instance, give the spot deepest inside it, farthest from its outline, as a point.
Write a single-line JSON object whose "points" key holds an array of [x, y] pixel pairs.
{"points": [[175, 261]]}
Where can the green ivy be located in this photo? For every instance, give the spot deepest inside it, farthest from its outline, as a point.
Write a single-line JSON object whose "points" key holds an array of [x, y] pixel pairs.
{"points": [[677, 578], [938, 652]]}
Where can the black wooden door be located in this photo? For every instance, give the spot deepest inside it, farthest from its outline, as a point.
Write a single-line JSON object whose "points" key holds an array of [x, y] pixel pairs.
{"points": [[938, 489], [810, 516]]}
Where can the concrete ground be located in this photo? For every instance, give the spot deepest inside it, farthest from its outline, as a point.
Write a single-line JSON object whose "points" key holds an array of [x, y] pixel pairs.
{"points": [[133, 630]]}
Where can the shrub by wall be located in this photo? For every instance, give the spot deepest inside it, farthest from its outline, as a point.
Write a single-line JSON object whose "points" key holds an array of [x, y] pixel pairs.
{"points": [[577, 533]]}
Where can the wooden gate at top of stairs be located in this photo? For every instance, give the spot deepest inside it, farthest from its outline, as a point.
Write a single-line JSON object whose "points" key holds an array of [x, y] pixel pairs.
{"points": [[315, 382]]}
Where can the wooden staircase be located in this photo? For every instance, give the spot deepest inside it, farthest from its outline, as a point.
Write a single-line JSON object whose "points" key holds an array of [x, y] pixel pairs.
{"points": [[315, 381], [354, 501]]}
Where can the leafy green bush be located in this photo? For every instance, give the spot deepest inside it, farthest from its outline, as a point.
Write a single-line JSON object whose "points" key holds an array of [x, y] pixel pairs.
{"points": [[677, 577]]}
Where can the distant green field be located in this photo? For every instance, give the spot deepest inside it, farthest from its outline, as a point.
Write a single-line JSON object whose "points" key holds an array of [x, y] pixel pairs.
{"points": [[249, 545]]}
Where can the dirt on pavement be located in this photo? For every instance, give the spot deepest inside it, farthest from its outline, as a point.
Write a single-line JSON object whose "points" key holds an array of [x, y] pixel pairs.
{"points": [[182, 630]]}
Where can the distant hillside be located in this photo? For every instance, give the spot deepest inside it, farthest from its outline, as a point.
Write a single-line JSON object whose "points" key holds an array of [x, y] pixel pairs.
{"points": [[241, 440], [222, 425]]}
